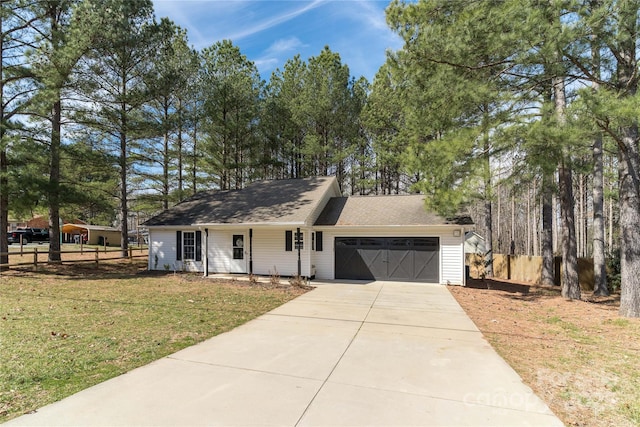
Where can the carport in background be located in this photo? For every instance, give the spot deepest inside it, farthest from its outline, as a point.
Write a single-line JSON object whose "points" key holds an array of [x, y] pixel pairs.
{"points": [[413, 259]]}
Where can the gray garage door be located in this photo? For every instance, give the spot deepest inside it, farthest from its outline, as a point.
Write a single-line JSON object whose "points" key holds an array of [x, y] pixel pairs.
{"points": [[388, 258]]}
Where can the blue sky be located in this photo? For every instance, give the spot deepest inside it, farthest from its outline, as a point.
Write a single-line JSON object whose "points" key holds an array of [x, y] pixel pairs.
{"points": [[269, 32]]}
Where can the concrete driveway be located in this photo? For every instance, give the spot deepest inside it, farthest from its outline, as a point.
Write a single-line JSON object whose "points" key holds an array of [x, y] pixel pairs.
{"points": [[383, 353]]}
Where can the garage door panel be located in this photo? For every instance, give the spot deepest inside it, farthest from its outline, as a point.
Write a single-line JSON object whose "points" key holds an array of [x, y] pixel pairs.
{"points": [[350, 262], [426, 266], [387, 258], [400, 266], [375, 260]]}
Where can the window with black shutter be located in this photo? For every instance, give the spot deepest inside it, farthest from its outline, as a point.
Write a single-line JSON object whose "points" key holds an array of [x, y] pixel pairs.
{"points": [[318, 241], [189, 245]]}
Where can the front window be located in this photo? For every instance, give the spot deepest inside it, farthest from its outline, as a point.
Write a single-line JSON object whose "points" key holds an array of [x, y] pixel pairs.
{"points": [[189, 245]]}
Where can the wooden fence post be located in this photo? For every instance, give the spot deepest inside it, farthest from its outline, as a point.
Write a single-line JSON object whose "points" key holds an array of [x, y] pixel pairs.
{"points": [[97, 257], [35, 258], [130, 254]]}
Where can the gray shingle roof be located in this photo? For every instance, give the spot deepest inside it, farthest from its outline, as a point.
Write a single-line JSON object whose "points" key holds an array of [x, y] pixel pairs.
{"points": [[382, 210], [262, 202]]}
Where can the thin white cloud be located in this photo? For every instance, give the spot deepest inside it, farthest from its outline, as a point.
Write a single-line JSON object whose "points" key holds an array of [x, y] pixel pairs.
{"points": [[278, 52], [266, 63], [276, 20], [182, 13], [289, 44], [371, 15]]}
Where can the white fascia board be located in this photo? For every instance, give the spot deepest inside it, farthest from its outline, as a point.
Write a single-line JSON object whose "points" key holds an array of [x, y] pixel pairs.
{"points": [[251, 224], [364, 227]]}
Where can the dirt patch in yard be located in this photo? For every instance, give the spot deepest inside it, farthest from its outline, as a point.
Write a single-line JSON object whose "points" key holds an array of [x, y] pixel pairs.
{"points": [[580, 357]]}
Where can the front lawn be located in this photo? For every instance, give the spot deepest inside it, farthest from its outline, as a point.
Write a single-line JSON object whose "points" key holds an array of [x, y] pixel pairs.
{"points": [[67, 328]]}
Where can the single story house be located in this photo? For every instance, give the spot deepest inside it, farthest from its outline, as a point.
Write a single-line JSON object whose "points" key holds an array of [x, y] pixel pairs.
{"points": [[306, 227]]}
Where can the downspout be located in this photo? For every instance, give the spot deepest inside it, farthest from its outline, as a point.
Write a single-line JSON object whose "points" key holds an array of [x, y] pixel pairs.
{"points": [[297, 241], [251, 251], [206, 252]]}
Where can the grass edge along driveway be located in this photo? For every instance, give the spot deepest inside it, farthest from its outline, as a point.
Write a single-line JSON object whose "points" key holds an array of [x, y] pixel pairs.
{"points": [[66, 328]]}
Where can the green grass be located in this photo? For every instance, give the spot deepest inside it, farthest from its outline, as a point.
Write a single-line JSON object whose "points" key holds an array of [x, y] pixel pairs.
{"points": [[63, 331]]}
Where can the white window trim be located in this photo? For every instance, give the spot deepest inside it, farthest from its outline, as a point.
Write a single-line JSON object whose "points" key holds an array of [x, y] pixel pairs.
{"points": [[184, 246]]}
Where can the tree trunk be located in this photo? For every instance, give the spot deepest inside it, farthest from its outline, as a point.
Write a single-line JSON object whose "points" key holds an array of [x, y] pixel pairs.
{"points": [[4, 204], [54, 182], [599, 261], [179, 150], [124, 209], [570, 281], [194, 172], [165, 156], [488, 196], [548, 274], [629, 170], [4, 166]]}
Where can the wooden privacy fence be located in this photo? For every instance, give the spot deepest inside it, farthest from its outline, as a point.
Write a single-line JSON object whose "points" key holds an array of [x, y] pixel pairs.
{"points": [[85, 255], [528, 269]]}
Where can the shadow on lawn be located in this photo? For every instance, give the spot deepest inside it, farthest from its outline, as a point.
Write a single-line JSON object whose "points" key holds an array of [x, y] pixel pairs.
{"points": [[530, 292], [498, 285], [117, 269]]}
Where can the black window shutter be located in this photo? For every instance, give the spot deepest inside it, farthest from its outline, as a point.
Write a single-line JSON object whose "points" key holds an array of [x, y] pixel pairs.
{"points": [[179, 245], [288, 240], [318, 241], [198, 245]]}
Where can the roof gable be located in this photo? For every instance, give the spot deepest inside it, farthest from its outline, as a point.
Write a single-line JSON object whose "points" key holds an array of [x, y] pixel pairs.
{"points": [[287, 201]]}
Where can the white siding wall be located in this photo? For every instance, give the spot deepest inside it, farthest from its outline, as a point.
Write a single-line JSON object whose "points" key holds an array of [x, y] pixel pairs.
{"points": [[162, 252], [452, 259], [269, 252], [162, 249], [221, 250], [451, 249]]}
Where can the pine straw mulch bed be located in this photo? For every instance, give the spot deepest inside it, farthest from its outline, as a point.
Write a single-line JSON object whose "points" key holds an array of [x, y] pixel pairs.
{"points": [[580, 357]]}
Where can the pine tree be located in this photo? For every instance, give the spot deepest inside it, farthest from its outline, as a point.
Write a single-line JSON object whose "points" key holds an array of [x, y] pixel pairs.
{"points": [[614, 25], [166, 115], [65, 33], [117, 69], [231, 89], [384, 120], [16, 19]]}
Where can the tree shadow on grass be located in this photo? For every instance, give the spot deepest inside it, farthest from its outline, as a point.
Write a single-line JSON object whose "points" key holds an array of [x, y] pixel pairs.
{"points": [[532, 292], [498, 285], [106, 270]]}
